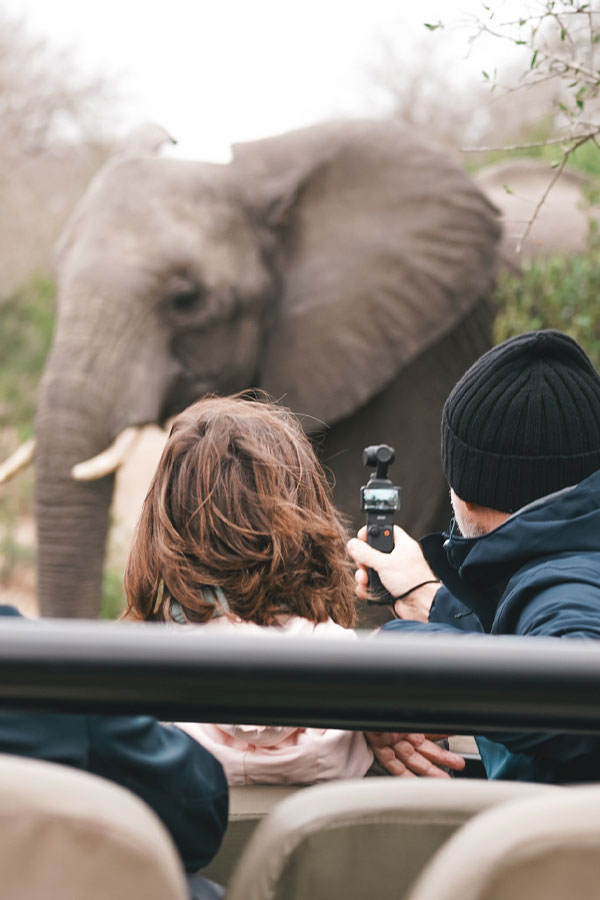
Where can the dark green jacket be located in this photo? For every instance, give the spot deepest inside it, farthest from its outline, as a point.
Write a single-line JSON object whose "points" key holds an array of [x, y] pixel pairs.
{"points": [[537, 574], [182, 782]]}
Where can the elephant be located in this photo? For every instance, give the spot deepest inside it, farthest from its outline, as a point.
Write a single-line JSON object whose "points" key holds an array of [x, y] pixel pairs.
{"points": [[562, 222], [344, 269]]}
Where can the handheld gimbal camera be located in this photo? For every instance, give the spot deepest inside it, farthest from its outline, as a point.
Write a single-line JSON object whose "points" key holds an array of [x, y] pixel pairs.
{"points": [[380, 499]]}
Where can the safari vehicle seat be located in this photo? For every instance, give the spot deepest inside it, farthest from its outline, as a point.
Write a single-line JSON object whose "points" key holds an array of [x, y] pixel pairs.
{"points": [[248, 806], [69, 835], [546, 846], [355, 840]]}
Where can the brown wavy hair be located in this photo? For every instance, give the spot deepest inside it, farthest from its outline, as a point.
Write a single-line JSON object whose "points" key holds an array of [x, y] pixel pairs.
{"points": [[239, 501]]}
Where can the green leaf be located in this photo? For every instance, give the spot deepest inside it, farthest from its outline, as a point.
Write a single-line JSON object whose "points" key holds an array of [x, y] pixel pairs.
{"points": [[533, 59], [507, 189], [431, 27], [563, 34], [485, 75]]}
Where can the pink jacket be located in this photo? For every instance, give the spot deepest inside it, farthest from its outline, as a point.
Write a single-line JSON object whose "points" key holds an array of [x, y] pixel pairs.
{"points": [[262, 754]]}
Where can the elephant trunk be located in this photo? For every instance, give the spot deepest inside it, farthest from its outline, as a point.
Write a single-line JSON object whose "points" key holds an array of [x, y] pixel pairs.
{"points": [[72, 524], [72, 517], [86, 399]]}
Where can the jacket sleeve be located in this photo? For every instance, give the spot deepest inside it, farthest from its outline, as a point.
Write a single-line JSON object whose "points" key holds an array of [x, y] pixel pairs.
{"points": [[404, 626], [447, 616], [170, 771], [182, 782], [567, 610]]}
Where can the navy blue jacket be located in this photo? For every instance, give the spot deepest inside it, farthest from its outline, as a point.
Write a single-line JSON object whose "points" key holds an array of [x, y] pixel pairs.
{"points": [[536, 574], [182, 782]]}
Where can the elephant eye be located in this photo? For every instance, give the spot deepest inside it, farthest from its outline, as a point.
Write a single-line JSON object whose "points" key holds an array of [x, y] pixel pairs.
{"points": [[185, 301]]}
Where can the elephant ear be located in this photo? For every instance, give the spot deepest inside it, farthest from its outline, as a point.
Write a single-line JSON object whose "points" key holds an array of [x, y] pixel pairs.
{"points": [[145, 140], [384, 245]]}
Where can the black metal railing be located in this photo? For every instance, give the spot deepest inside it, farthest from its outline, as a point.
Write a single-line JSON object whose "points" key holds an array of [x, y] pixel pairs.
{"points": [[412, 682]]}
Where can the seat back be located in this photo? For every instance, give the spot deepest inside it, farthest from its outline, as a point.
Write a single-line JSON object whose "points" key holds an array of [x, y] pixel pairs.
{"points": [[248, 806], [546, 846], [68, 835], [355, 840]]}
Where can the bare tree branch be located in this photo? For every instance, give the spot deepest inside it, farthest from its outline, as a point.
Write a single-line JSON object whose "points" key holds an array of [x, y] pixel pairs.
{"points": [[580, 138], [551, 184]]}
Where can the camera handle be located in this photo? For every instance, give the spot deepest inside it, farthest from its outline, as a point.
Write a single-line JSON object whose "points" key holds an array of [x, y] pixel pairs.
{"points": [[376, 537]]}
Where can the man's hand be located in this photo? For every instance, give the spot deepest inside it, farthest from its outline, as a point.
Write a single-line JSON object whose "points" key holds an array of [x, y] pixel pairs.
{"points": [[399, 571], [410, 755]]}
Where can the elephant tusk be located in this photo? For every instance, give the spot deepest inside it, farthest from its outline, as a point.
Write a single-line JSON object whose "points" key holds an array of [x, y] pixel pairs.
{"points": [[110, 459], [18, 460]]}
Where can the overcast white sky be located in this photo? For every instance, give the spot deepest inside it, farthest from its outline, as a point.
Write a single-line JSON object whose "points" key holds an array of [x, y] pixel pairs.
{"points": [[214, 71]]}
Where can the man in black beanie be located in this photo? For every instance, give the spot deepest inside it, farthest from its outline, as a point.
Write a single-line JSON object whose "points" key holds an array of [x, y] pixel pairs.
{"points": [[521, 452]]}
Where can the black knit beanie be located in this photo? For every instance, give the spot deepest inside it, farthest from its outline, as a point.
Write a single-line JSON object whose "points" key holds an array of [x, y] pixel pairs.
{"points": [[522, 422]]}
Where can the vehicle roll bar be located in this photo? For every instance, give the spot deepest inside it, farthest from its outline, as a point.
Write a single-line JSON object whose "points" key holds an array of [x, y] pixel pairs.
{"points": [[411, 682]]}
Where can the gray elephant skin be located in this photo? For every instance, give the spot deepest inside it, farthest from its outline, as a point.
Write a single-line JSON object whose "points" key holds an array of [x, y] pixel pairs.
{"points": [[344, 269]]}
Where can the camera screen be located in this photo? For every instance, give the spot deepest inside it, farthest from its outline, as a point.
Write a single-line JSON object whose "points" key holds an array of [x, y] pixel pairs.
{"points": [[380, 498]]}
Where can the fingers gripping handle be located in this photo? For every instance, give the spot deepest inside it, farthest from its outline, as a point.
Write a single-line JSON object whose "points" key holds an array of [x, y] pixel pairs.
{"points": [[380, 535]]}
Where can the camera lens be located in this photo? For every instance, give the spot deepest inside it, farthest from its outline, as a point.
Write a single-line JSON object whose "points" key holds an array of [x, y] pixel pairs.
{"points": [[378, 453], [384, 454]]}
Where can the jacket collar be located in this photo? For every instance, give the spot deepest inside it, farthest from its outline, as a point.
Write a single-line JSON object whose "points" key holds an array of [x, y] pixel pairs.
{"points": [[477, 570]]}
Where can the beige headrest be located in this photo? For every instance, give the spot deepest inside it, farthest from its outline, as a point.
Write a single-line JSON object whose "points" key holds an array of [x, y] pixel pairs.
{"points": [[353, 840], [69, 835], [546, 846]]}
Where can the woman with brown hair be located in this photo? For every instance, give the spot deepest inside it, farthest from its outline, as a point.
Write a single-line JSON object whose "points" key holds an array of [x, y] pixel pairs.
{"points": [[238, 532]]}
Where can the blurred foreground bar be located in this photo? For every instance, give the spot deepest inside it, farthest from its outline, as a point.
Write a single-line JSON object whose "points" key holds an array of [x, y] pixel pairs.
{"points": [[421, 683]]}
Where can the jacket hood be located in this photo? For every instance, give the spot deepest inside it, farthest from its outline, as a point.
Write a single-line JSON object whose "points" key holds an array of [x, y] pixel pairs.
{"points": [[478, 569]]}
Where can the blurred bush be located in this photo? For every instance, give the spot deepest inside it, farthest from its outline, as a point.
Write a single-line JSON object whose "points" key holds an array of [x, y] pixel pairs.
{"points": [[27, 323], [556, 292], [112, 603], [27, 317]]}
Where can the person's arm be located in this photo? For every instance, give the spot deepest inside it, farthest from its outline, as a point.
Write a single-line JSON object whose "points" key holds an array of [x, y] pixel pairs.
{"points": [[446, 616], [564, 611], [177, 777], [182, 782], [408, 755], [404, 573], [422, 603]]}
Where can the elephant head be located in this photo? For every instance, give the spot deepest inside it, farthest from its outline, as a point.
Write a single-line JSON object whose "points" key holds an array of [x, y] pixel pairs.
{"points": [[316, 265]]}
